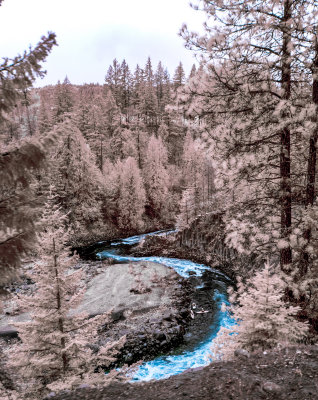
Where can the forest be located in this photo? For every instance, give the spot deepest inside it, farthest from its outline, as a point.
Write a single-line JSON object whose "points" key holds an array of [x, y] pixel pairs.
{"points": [[215, 170]]}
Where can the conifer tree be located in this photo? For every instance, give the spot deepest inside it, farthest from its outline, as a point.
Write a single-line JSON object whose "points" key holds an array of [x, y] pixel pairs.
{"points": [[19, 73], [76, 177], [136, 89], [162, 89], [163, 132], [189, 209], [126, 88], [47, 352], [263, 319], [142, 139], [193, 71], [111, 127], [112, 113], [110, 195], [179, 76], [93, 117], [167, 85], [55, 342], [64, 101], [253, 66], [147, 96], [83, 114], [197, 176], [112, 80], [17, 163], [44, 123], [129, 145], [131, 198], [156, 178]]}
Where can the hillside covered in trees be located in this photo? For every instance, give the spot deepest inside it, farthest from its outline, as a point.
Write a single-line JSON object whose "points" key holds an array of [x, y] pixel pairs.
{"points": [[122, 159], [222, 159]]}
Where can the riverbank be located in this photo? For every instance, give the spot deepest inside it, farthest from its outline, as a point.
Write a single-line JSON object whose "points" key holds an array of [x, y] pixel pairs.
{"points": [[148, 303], [286, 374], [168, 246]]}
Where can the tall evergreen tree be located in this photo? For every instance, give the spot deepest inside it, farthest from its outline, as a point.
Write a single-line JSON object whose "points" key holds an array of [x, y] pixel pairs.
{"points": [[159, 82], [251, 77], [179, 76], [148, 101], [131, 199], [193, 71], [263, 320], [76, 177], [126, 88], [55, 342], [63, 101], [138, 79], [44, 122], [112, 80], [156, 178], [18, 163]]}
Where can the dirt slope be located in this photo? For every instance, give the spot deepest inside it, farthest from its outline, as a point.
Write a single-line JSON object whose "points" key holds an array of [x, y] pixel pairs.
{"points": [[290, 373]]}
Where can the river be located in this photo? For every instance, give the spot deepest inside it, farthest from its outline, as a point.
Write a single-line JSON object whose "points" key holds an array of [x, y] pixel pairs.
{"points": [[208, 314]]}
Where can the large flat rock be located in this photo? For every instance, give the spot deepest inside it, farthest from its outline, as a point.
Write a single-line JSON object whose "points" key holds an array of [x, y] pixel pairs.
{"points": [[116, 289]]}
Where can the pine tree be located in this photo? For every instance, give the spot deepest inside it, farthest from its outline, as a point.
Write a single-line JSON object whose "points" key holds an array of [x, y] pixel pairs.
{"points": [[156, 178], [147, 96], [197, 179], [136, 89], [112, 127], [193, 71], [44, 123], [110, 195], [179, 76], [64, 101], [93, 116], [76, 177], [83, 114], [306, 259], [112, 114], [247, 92], [126, 88], [17, 200], [17, 163], [55, 342], [163, 132], [131, 197], [112, 81], [263, 319], [129, 145], [160, 88], [167, 87], [20, 72], [142, 139], [188, 209], [48, 349]]}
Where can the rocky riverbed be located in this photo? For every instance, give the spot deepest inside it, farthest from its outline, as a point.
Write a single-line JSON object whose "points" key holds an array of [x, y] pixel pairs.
{"points": [[147, 302]]}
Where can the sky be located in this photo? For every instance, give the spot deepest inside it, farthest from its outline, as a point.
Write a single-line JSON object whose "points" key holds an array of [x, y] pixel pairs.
{"points": [[90, 34]]}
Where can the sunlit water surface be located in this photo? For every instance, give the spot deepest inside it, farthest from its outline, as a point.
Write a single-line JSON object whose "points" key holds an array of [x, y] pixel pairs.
{"points": [[180, 360]]}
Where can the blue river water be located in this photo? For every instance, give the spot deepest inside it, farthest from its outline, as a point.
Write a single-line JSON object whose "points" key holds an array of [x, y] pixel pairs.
{"points": [[172, 364]]}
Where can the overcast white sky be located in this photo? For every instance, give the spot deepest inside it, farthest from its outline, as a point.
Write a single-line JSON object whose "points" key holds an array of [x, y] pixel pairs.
{"points": [[92, 33]]}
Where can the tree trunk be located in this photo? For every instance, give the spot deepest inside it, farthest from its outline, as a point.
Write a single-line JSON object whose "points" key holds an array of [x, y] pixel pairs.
{"points": [[59, 305], [285, 182], [311, 162]]}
